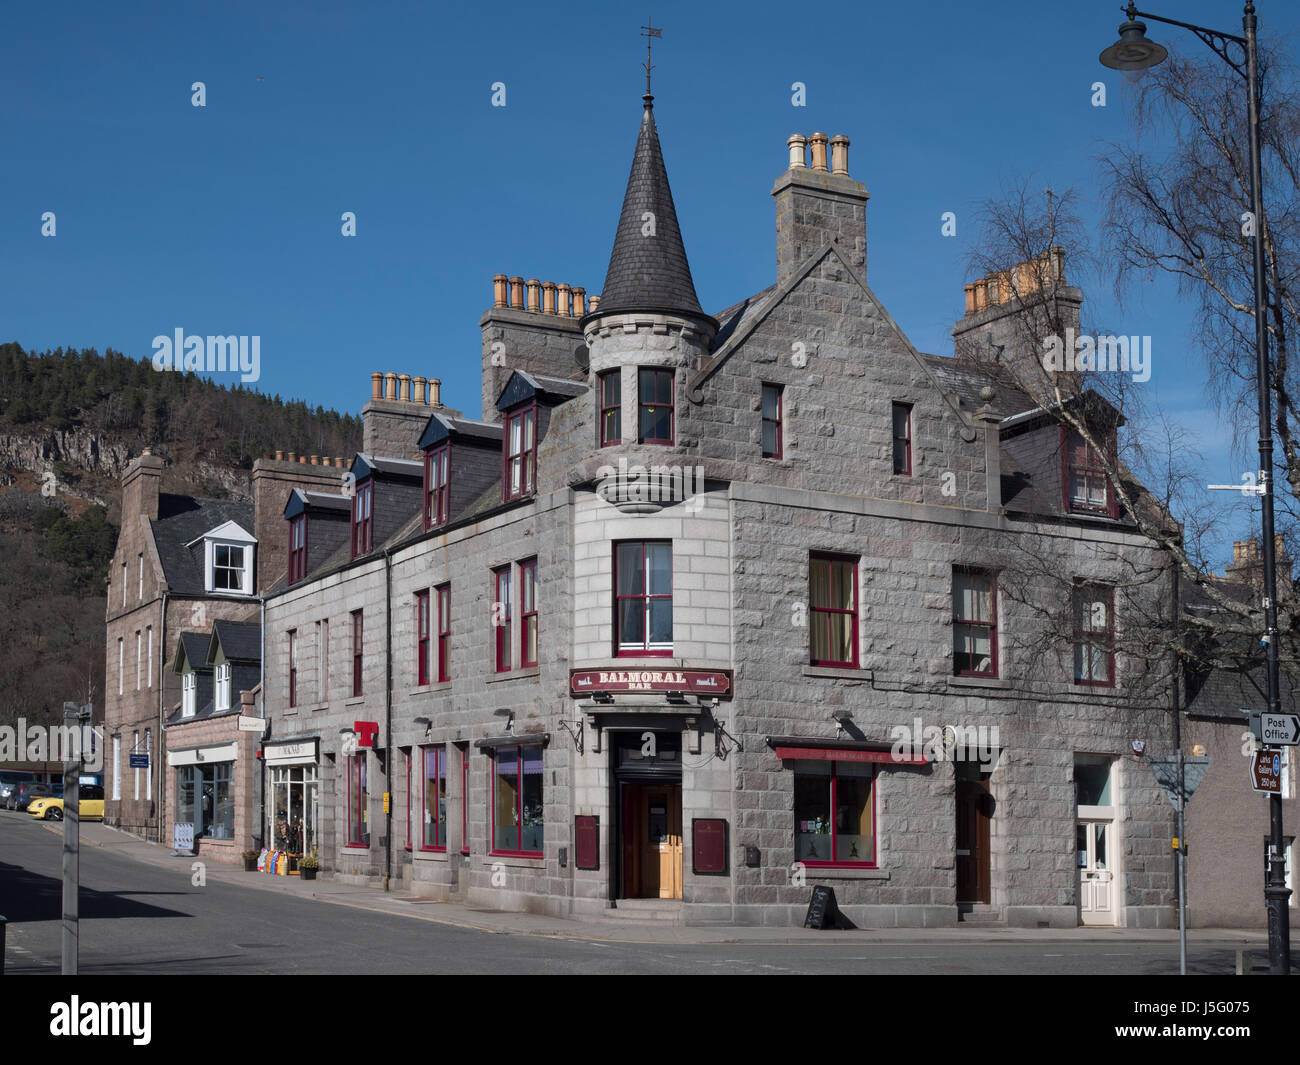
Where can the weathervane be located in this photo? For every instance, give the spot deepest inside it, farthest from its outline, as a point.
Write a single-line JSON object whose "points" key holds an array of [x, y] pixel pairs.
{"points": [[649, 32]]}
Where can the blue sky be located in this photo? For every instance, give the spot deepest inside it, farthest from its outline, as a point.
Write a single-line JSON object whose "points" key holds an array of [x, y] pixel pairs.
{"points": [[226, 218]]}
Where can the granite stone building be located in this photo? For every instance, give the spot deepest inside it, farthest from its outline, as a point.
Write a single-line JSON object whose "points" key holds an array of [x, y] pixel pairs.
{"points": [[702, 610]]}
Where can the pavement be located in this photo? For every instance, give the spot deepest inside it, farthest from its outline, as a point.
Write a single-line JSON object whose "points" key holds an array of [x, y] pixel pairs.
{"points": [[605, 929]]}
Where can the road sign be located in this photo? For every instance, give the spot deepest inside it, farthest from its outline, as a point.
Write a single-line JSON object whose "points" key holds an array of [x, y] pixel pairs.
{"points": [[251, 724], [139, 761], [1280, 730], [1166, 774], [1266, 772]]}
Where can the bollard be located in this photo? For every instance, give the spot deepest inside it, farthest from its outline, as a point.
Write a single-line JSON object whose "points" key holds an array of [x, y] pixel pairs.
{"points": [[3, 921]]}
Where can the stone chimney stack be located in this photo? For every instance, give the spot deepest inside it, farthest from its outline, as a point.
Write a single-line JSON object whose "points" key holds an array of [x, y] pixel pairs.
{"points": [[393, 421], [1248, 565], [140, 485], [819, 204]]}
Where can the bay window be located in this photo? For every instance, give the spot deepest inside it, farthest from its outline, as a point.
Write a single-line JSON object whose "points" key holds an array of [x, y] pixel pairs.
{"points": [[611, 407], [655, 406]]}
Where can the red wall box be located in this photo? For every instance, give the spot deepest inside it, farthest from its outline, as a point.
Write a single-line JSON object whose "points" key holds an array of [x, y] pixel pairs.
{"points": [[586, 832], [709, 846]]}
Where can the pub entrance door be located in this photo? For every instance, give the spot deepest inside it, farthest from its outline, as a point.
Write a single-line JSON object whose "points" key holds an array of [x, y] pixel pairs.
{"points": [[648, 779]]}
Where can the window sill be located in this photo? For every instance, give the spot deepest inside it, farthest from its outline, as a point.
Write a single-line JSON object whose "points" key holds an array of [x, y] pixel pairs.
{"points": [[356, 700], [841, 872], [978, 682], [427, 689], [838, 672], [423, 854], [517, 861], [514, 674]]}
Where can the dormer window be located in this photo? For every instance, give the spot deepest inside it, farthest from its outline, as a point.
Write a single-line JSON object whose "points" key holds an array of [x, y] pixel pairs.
{"points": [[223, 685], [520, 473], [227, 559], [1086, 489], [437, 493], [362, 528], [189, 689], [655, 406], [297, 548]]}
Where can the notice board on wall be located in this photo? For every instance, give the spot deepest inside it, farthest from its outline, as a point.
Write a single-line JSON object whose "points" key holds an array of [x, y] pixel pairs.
{"points": [[709, 846], [586, 834]]}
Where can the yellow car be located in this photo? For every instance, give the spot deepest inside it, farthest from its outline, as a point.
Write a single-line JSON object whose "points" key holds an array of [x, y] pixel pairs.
{"points": [[90, 805]]}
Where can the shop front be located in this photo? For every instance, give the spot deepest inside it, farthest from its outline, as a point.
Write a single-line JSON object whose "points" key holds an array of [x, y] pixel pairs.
{"points": [[292, 803]]}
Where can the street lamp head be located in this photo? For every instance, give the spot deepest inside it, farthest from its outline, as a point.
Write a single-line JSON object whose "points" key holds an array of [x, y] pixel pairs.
{"points": [[1133, 51]]}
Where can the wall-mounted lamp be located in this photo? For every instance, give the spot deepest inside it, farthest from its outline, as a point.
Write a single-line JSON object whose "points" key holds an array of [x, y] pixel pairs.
{"points": [[509, 715], [840, 717], [601, 697], [676, 698], [426, 722]]}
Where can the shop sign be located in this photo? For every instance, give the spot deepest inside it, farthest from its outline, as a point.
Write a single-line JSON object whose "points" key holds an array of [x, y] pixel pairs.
{"points": [[707, 682]]}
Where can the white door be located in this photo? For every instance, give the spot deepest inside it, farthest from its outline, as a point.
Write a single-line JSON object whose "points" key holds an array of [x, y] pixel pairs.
{"points": [[1096, 878]]}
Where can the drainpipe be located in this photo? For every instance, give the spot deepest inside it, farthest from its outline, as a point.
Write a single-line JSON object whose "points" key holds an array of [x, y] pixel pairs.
{"points": [[261, 712], [159, 771], [388, 716]]}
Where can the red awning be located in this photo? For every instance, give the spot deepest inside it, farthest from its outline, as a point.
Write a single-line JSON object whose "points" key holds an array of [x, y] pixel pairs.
{"points": [[835, 754]]}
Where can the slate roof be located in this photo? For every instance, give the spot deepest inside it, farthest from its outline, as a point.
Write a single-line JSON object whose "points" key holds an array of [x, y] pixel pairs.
{"points": [[196, 651], [648, 273], [240, 641], [182, 520], [300, 499], [441, 426]]}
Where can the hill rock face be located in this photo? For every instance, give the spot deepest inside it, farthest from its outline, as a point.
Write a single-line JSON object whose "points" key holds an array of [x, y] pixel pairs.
{"points": [[70, 424]]}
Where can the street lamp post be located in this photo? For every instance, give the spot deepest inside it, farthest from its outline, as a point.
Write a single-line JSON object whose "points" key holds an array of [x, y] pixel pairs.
{"points": [[1134, 52]]}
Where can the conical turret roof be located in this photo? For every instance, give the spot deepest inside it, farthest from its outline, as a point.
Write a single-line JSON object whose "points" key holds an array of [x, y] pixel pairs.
{"points": [[648, 270]]}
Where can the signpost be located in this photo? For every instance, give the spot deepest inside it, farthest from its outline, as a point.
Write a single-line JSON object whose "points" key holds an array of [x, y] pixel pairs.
{"points": [[1266, 772], [1169, 771], [1279, 730], [72, 768]]}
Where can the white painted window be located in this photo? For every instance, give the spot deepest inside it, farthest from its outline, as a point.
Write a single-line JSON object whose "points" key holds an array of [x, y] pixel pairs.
{"points": [[135, 749], [139, 659], [140, 592], [188, 691], [117, 768], [124, 584], [322, 660], [223, 686], [149, 672], [121, 662], [148, 773]]}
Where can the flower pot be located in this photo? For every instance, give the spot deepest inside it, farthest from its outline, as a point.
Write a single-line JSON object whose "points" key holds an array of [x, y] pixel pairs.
{"points": [[307, 874]]}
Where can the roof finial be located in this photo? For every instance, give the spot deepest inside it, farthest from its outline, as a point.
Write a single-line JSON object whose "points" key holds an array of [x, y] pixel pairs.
{"points": [[649, 32]]}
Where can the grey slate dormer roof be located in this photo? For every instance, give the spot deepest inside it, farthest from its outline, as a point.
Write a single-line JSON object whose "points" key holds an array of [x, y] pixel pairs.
{"points": [[648, 273], [240, 641], [182, 520]]}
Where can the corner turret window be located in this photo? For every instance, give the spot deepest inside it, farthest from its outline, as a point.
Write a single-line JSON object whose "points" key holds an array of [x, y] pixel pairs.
{"points": [[611, 408], [655, 406]]}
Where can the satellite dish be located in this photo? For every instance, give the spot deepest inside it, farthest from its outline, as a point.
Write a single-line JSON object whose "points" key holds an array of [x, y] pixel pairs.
{"points": [[582, 357]]}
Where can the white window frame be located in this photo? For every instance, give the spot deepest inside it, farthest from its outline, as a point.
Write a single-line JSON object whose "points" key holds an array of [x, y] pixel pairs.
{"points": [[117, 768], [322, 660], [228, 534], [189, 690], [223, 686], [149, 671], [148, 773], [121, 662], [139, 659], [140, 591], [124, 582], [135, 748]]}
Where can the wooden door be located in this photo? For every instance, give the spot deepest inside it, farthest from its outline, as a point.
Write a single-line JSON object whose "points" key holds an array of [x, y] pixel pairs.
{"points": [[652, 844], [974, 810]]}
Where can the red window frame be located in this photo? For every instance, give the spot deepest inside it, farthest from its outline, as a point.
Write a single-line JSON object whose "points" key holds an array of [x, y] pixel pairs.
{"points": [[1079, 458], [439, 752], [645, 651], [778, 391], [611, 407], [650, 381], [527, 611], [437, 485], [358, 633], [520, 760], [357, 794], [422, 638], [991, 625], [835, 861], [816, 614], [362, 520], [903, 455], [293, 667], [297, 548], [1086, 636], [464, 800], [501, 618], [444, 632], [525, 458], [408, 799]]}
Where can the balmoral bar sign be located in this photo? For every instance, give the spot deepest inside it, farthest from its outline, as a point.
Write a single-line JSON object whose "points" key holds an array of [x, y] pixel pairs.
{"points": [[708, 682]]}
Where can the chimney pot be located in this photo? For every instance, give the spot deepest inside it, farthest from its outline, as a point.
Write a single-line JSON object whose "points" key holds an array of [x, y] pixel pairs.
{"points": [[315, 460], [499, 290], [562, 305], [840, 154], [579, 301], [293, 456], [435, 392], [279, 456], [970, 299], [797, 143], [548, 297], [419, 391], [404, 392], [982, 294], [390, 386], [517, 293], [593, 303], [376, 385], [818, 142], [534, 294]]}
